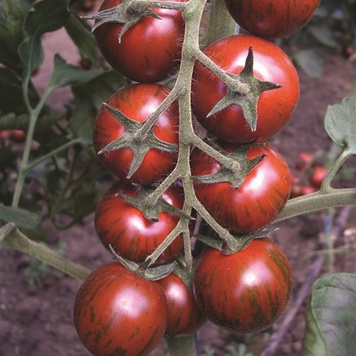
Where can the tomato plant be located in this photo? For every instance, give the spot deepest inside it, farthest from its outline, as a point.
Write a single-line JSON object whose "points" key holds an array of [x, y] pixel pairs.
{"points": [[117, 312], [129, 233], [253, 205], [183, 314], [244, 292], [274, 107], [137, 102], [155, 56], [272, 19]]}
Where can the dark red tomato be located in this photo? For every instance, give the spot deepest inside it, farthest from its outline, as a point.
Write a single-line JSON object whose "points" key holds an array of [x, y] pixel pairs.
{"points": [[272, 19], [149, 51], [274, 107], [138, 102], [304, 160], [318, 175], [247, 291], [261, 197], [183, 314], [130, 234], [119, 313]]}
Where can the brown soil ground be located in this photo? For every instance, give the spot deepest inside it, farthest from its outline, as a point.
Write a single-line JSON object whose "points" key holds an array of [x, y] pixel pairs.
{"points": [[38, 321]]}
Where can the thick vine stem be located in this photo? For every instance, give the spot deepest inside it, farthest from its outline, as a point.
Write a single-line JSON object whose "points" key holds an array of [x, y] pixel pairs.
{"points": [[12, 237]]}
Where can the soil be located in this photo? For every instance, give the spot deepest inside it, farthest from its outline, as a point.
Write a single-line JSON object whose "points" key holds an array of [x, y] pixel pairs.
{"points": [[36, 321]]}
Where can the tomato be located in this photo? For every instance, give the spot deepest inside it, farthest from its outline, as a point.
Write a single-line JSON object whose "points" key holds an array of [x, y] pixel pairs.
{"points": [[183, 314], [138, 102], [130, 234], [272, 19], [304, 160], [149, 51], [308, 189], [261, 197], [119, 313], [318, 175], [274, 107], [247, 291]]}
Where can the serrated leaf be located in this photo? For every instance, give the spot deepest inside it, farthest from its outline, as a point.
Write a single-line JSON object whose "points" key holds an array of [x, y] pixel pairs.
{"points": [[331, 317], [12, 15], [80, 33], [310, 61], [340, 123], [45, 16], [21, 217], [89, 98], [65, 74]]}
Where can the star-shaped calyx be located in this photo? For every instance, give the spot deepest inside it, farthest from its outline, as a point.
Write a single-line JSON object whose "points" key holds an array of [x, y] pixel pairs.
{"points": [[247, 100], [124, 13], [133, 139], [236, 173]]}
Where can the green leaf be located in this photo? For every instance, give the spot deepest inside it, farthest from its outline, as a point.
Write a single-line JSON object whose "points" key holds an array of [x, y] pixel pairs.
{"points": [[340, 123], [45, 16], [67, 74], [80, 33], [21, 217], [311, 61], [12, 15], [323, 34], [331, 317], [89, 98]]}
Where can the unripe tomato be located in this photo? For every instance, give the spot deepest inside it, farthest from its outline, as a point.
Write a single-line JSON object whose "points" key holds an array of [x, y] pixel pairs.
{"points": [[272, 19], [247, 291]]}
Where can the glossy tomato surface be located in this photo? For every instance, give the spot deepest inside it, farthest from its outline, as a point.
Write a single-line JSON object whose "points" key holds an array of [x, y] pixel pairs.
{"points": [[137, 102], [149, 51], [261, 197], [129, 232], [119, 313], [274, 107], [244, 292], [183, 315], [272, 19]]}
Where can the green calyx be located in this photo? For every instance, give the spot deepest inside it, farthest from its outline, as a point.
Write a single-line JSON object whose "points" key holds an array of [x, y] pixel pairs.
{"points": [[246, 100]]}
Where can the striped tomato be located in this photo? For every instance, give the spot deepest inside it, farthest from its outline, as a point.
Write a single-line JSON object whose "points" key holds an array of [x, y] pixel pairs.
{"points": [[119, 313], [244, 292], [252, 206]]}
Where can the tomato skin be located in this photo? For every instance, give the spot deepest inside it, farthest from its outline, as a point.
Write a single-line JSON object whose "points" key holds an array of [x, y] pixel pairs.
{"points": [[137, 102], [274, 107], [272, 19], [126, 229], [247, 291], [261, 197], [183, 314], [117, 312], [151, 59], [318, 175]]}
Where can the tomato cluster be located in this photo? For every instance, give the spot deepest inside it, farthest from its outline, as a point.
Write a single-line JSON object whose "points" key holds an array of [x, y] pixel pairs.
{"points": [[235, 178]]}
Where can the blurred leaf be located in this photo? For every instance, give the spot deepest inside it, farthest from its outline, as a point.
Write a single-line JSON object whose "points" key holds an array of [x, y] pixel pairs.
{"points": [[67, 74], [89, 97], [80, 33], [340, 123], [7, 159], [311, 61], [45, 16], [12, 15], [323, 34], [331, 317], [21, 217], [11, 98]]}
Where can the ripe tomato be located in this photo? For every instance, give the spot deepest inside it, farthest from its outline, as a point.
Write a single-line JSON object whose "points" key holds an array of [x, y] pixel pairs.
{"points": [[183, 314], [318, 175], [274, 107], [149, 51], [244, 292], [261, 197], [117, 312], [308, 189], [130, 234], [272, 19], [137, 102], [304, 160]]}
